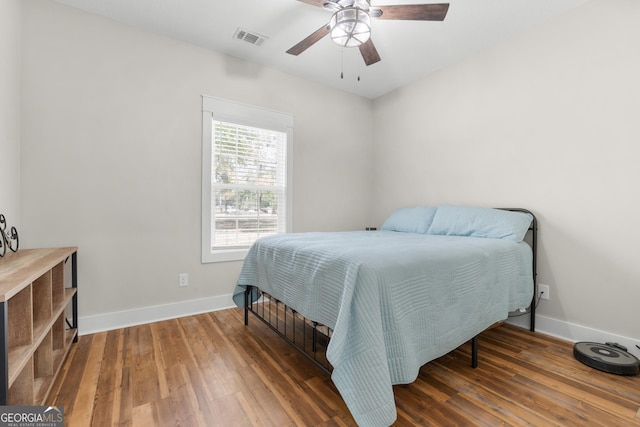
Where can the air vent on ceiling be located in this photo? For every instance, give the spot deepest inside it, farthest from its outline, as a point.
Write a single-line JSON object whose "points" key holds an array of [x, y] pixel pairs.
{"points": [[249, 37]]}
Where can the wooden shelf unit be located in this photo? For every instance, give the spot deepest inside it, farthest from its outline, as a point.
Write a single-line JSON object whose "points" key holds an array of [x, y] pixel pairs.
{"points": [[38, 291]]}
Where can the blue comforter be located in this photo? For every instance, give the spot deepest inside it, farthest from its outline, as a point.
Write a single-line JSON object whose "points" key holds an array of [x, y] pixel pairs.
{"points": [[394, 300]]}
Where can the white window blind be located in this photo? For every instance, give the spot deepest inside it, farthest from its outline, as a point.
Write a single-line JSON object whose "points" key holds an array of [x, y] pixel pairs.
{"points": [[246, 183]]}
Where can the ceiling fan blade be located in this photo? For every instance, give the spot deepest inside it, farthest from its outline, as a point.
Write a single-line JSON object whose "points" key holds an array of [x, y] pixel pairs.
{"points": [[319, 3], [369, 52], [309, 41], [411, 12]]}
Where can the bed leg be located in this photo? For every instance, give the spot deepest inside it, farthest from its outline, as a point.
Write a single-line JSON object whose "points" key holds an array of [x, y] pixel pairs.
{"points": [[246, 305], [532, 319], [474, 352], [314, 338]]}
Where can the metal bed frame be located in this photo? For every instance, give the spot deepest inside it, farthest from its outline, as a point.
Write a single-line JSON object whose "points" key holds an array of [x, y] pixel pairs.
{"points": [[312, 338]]}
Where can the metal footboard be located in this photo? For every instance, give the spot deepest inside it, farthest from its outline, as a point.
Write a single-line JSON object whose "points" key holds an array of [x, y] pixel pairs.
{"points": [[309, 337]]}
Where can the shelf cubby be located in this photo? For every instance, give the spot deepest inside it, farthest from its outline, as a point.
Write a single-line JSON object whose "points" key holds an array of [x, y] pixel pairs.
{"points": [[57, 284], [58, 332], [20, 319], [22, 388]]}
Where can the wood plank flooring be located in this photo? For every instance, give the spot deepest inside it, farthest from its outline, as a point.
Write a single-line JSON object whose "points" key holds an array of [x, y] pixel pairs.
{"points": [[211, 370]]}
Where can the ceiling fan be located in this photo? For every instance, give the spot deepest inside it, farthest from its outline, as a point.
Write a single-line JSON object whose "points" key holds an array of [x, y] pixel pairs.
{"points": [[350, 24]]}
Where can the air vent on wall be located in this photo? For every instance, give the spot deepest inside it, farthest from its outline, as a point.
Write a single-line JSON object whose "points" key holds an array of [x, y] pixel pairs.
{"points": [[249, 37]]}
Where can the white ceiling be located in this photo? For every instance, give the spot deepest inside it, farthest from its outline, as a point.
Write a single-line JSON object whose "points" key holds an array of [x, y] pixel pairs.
{"points": [[409, 49]]}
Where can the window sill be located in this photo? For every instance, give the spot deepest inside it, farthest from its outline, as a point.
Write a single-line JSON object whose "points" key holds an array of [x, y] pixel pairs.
{"points": [[224, 255]]}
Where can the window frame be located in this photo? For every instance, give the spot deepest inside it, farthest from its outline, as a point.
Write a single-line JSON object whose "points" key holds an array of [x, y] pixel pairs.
{"points": [[248, 115]]}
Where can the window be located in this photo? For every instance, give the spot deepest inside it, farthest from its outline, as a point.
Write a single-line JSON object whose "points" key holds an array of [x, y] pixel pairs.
{"points": [[246, 188]]}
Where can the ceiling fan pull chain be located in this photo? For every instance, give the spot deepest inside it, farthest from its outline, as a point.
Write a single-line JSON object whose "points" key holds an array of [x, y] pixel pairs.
{"points": [[342, 63]]}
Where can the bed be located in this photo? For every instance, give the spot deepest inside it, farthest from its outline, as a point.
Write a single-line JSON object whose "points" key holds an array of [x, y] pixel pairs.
{"points": [[391, 300]]}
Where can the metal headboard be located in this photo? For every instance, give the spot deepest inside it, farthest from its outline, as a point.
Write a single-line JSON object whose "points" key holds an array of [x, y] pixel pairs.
{"points": [[533, 227]]}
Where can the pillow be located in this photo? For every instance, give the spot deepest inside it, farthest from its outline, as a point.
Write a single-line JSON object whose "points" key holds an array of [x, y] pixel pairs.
{"points": [[410, 220], [480, 222]]}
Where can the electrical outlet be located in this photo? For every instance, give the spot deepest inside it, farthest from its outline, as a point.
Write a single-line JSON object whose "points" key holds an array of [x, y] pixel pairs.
{"points": [[543, 291], [183, 280]]}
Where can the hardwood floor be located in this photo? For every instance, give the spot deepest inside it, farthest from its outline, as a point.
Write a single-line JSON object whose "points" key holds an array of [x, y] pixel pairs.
{"points": [[211, 370]]}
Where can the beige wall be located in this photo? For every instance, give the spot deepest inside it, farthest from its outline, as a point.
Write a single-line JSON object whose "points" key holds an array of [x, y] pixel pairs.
{"points": [[112, 153], [547, 121], [10, 111]]}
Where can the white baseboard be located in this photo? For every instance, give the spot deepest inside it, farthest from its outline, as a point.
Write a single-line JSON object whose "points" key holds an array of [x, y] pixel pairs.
{"points": [[122, 319], [574, 333]]}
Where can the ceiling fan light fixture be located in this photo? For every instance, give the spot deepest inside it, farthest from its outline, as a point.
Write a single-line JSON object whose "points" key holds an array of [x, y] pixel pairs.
{"points": [[350, 27]]}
